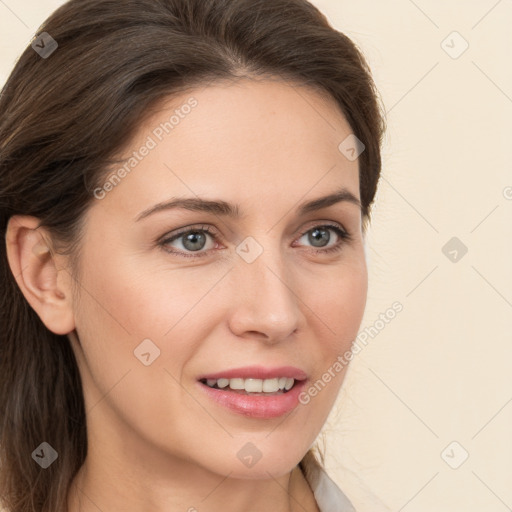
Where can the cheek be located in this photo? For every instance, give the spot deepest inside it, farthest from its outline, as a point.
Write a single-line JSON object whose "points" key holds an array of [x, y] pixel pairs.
{"points": [[340, 302], [339, 309], [142, 298], [348, 302], [121, 304], [125, 302]]}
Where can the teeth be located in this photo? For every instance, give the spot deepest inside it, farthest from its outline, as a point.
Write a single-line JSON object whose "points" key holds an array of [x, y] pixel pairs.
{"points": [[270, 385], [254, 385], [222, 383], [236, 383]]}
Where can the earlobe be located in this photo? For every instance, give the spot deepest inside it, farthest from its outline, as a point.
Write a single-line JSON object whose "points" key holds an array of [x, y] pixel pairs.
{"points": [[34, 265]]}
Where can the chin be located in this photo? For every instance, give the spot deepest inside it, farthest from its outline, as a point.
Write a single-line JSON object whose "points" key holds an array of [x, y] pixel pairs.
{"points": [[260, 471], [251, 460]]}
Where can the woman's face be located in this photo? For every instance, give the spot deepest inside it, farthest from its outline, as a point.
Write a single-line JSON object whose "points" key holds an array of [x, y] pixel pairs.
{"points": [[162, 303]]}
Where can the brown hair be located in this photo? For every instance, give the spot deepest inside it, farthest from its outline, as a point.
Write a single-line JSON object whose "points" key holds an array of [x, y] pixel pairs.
{"points": [[62, 120]]}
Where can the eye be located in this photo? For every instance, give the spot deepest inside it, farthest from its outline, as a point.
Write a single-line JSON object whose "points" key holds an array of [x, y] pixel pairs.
{"points": [[320, 237], [194, 239], [190, 239]]}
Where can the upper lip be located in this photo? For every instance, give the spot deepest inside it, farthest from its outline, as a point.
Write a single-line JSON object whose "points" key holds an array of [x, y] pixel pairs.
{"points": [[257, 372]]}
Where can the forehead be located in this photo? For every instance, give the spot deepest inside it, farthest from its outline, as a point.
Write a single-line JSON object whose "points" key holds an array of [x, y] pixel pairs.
{"points": [[249, 139], [262, 111]]}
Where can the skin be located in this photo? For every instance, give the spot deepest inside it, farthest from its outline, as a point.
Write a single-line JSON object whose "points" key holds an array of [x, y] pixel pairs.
{"points": [[155, 441]]}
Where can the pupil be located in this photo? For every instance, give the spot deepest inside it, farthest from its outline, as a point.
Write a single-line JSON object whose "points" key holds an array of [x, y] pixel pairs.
{"points": [[191, 240], [319, 234]]}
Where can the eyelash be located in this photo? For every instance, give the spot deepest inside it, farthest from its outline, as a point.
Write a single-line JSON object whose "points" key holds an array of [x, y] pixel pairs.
{"points": [[345, 237]]}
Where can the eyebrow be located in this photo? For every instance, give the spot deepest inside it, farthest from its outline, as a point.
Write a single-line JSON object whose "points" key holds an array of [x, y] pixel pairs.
{"points": [[233, 210]]}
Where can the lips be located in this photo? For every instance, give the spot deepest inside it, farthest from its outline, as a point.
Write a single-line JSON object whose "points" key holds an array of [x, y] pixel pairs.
{"points": [[255, 404]]}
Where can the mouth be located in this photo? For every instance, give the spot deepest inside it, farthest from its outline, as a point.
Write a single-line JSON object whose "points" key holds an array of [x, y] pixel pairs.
{"points": [[252, 386], [255, 392]]}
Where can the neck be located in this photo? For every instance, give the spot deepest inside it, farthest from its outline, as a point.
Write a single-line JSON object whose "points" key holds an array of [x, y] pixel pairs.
{"points": [[95, 489]]}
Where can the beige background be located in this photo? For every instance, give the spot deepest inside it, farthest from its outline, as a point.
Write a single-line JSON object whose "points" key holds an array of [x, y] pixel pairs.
{"points": [[440, 371]]}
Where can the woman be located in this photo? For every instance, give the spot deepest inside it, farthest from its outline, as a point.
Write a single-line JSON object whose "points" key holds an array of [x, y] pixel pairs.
{"points": [[185, 187]]}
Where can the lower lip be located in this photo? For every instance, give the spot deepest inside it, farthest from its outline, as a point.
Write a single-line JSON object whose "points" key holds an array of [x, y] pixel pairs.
{"points": [[256, 406]]}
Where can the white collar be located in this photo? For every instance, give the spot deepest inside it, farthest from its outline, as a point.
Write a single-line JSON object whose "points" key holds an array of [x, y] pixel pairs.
{"points": [[329, 497]]}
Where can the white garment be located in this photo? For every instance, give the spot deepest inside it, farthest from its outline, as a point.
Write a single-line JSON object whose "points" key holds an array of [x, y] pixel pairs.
{"points": [[328, 495]]}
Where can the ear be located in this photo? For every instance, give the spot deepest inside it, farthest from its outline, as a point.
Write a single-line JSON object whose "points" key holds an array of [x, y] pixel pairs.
{"points": [[36, 270]]}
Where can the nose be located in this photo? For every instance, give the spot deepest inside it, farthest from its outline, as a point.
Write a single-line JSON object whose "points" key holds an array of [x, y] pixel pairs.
{"points": [[265, 304]]}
